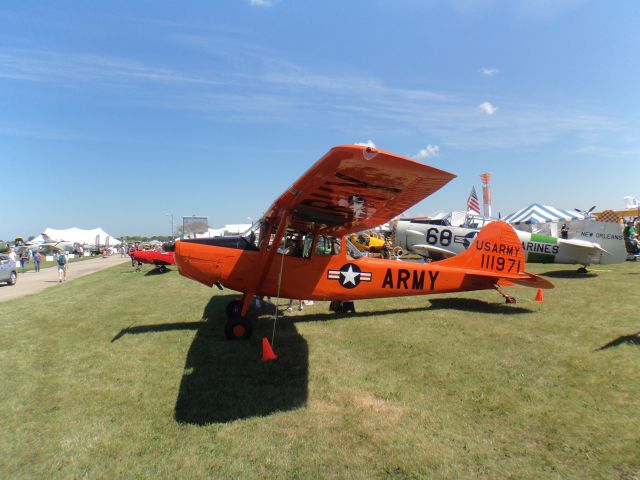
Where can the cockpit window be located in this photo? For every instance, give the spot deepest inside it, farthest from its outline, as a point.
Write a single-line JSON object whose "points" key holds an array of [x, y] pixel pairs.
{"points": [[352, 251], [252, 236], [296, 244], [327, 245]]}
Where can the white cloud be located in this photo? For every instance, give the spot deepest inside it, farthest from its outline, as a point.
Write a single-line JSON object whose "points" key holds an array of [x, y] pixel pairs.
{"points": [[489, 72], [43, 66], [368, 143], [260, 3], [488, 108], [426, 152]]}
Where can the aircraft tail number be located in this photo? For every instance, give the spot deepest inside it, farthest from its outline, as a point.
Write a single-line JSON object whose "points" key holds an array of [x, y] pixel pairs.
{"points": [[496, 249]]}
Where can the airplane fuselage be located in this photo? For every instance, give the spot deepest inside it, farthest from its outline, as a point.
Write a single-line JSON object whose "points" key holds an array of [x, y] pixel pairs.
{"points": [[438, 241], [340, 277]]}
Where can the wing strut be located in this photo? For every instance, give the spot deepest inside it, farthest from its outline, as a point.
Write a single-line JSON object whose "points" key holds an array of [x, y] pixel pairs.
{"points": [[266, 258]]}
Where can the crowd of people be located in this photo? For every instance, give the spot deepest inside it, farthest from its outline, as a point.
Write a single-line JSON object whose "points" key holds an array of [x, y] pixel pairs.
{"points": [[630, 234]]}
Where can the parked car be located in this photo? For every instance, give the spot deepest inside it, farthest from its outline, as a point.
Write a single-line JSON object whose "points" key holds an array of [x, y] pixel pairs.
{"points": [[8, 271]]}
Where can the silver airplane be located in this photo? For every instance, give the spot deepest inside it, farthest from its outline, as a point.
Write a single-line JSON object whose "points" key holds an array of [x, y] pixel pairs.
{"points": [[592, 242]]}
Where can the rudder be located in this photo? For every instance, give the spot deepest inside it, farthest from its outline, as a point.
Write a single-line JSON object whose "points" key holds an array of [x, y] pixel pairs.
{"points": [[496, 249]]}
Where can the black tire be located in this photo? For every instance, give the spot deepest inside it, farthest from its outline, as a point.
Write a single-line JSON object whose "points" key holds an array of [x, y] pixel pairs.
{"points": [[162, 268], [233, 309], [238, 329], [13, 278], [583, 270]]}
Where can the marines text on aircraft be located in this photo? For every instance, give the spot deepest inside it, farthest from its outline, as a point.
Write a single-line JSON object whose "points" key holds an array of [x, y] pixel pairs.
{"points": [[593, 242], [301, 250]]}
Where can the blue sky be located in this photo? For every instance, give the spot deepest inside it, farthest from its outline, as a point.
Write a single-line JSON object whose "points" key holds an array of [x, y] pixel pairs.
{"points": [[114, 114]]}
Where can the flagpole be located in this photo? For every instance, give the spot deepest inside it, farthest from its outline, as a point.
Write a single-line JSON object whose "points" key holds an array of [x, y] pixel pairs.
{"points": [[486, 194]]}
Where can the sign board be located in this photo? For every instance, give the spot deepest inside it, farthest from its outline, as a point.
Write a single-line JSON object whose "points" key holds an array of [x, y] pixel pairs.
{"points": [[193, 225]]}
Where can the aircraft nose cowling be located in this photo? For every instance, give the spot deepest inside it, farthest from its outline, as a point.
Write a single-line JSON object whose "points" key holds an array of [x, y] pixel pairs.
{"points": [[192, 264]]}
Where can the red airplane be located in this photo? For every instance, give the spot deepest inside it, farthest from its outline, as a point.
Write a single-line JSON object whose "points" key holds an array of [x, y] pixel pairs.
{"points": [[299, 249], [154, 257]]}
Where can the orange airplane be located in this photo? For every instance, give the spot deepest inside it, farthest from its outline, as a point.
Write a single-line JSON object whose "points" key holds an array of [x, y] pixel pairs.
{"points": [[299, 249]]}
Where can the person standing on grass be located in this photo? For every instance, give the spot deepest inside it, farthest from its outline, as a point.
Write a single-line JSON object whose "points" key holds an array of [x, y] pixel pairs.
{"points": [[37, 258], [62, 267], [24, 259]]}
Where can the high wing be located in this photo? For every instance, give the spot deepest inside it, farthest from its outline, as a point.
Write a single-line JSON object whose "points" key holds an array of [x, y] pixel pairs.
{"points": [[354, 188]]}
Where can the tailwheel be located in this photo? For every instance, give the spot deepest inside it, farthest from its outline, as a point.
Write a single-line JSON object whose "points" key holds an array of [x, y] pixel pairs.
{"points": [[162, 268], [233, 309], [238, 328], [507, 298], [583, 270]]}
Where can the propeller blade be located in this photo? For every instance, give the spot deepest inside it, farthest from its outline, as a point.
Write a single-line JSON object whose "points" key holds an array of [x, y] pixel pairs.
{"points": [[591, 209]]}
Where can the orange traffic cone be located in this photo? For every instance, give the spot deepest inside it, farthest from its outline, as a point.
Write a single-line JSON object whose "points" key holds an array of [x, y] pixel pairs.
{"points": [[539, 297], [267, 351]]}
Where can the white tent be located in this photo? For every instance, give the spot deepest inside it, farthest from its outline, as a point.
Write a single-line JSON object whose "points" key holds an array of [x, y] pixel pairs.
{"points": [[93, 236], [535, 214], [227, 230]]}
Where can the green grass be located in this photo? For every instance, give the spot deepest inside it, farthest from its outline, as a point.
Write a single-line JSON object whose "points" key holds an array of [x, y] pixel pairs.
{"points": [[117, 375]]}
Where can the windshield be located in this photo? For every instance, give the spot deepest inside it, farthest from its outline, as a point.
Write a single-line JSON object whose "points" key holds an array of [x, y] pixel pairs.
{"points": [[253, 233], [352, 250]]}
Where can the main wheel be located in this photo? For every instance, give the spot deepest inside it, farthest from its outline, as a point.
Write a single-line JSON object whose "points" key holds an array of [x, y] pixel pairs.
{"points": [[238, 329], [233, 309], [583, 270], [162, 268], [12, 278]]}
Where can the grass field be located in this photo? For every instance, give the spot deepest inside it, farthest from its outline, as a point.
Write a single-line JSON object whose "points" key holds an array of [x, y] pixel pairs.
{"points": [[119, 374]]}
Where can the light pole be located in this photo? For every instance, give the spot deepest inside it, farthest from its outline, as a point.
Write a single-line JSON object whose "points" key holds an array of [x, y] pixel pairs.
{"points": [[170, 214]]}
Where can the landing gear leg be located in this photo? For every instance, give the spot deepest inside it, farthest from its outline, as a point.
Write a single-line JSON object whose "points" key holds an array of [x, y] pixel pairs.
{"points": [[507, 298], [342, 307]]}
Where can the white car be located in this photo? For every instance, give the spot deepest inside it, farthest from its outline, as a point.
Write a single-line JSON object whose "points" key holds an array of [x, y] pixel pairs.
{"points": [[7, 270]]}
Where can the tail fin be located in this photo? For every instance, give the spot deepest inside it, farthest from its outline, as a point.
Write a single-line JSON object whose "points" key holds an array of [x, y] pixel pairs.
{"points": [[495, 249], [496, 252]]}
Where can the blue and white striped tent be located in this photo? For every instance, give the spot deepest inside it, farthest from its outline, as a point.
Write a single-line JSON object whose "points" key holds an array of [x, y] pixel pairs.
{"points": [[536, 213]]}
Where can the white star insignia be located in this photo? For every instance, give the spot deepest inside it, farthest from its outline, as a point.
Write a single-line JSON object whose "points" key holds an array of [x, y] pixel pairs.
{"points": [[350, 276]]}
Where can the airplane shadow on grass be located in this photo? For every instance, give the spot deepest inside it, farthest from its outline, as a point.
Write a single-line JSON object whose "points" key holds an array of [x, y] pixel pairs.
{"points": [[568, 274], [226, 380], [157, 271], [464, 304], [475, 306], [630, 339]]}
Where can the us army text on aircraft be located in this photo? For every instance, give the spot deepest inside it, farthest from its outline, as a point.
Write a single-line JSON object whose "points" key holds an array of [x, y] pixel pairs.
{"points": [[299, 249], [593, 243]]}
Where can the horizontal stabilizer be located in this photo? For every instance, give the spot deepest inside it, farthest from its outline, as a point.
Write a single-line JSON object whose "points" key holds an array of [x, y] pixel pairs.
{"points": [[424, 248], [574, 242]]}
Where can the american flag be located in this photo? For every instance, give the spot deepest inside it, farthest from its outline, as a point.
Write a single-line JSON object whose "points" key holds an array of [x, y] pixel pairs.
{"points": [[473, 205]]}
